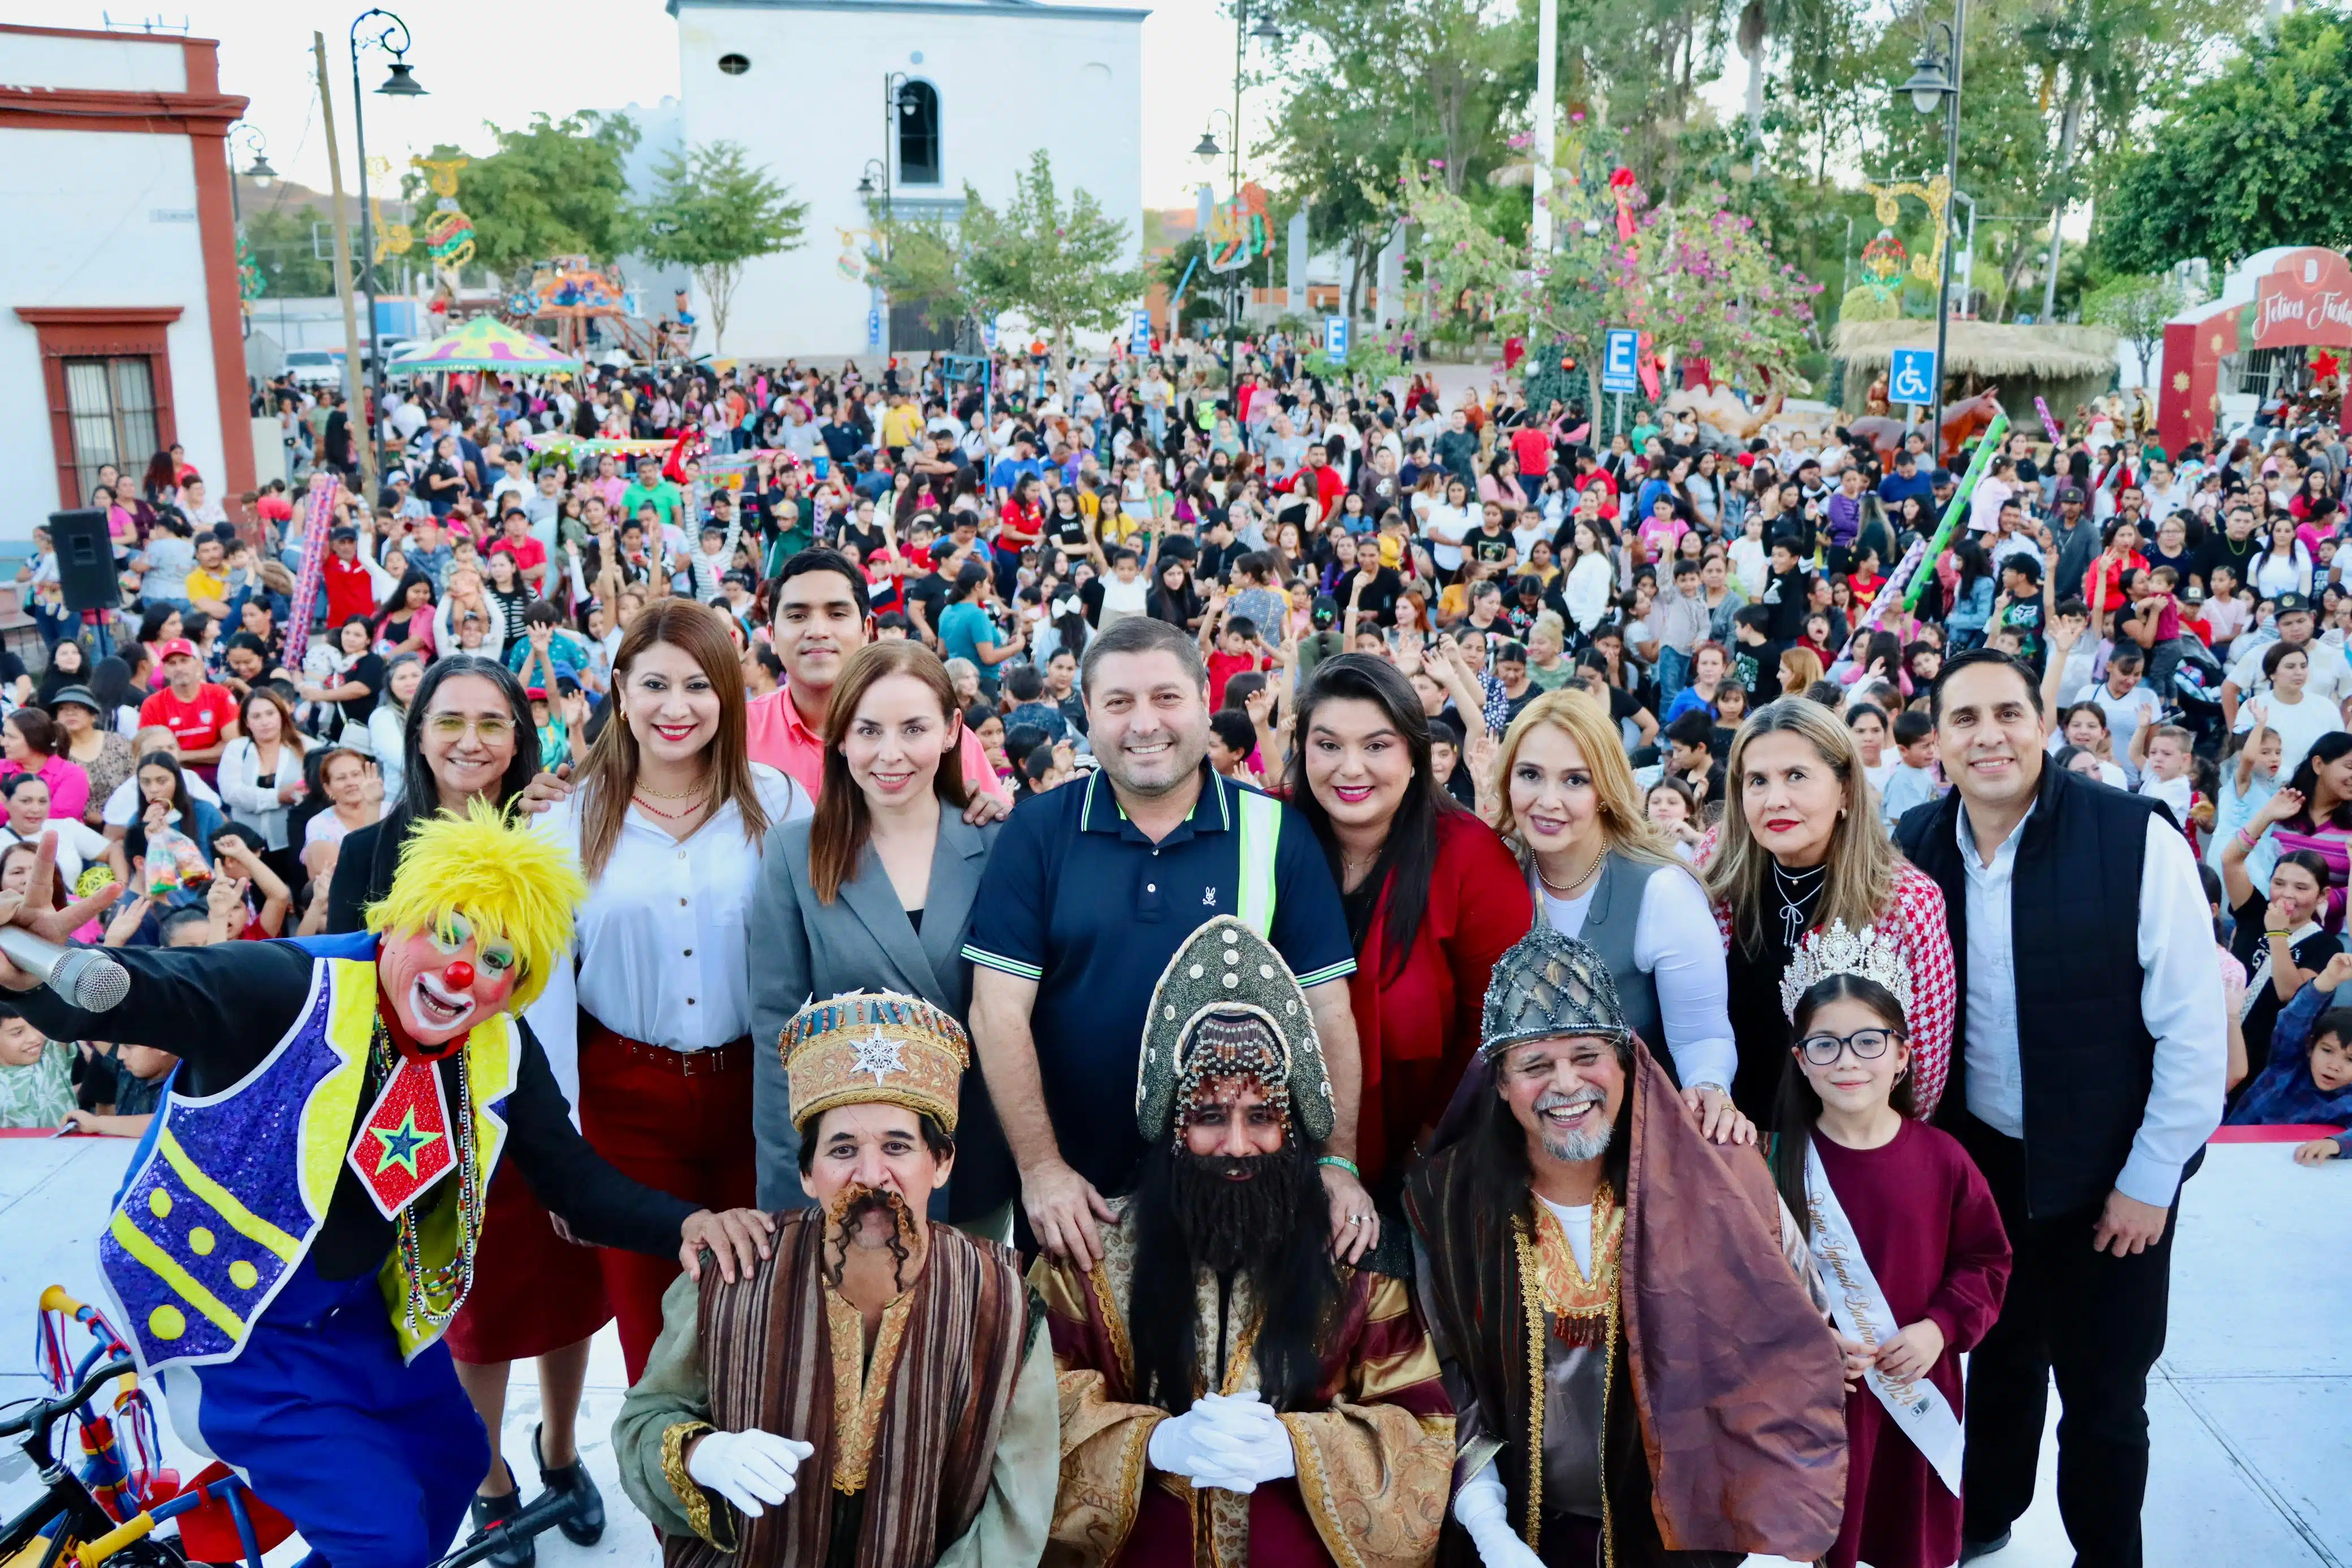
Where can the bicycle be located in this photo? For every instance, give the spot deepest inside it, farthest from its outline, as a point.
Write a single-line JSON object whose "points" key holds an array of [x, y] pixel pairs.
{"points": [[107, 1509]]}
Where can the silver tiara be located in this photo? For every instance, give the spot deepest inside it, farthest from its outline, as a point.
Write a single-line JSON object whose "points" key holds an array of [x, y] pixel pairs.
{"points": [[1834, 950]]}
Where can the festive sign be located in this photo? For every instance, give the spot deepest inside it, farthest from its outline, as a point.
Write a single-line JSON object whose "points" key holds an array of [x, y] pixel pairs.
{"points": [[1240, 230], [2308, 301]]}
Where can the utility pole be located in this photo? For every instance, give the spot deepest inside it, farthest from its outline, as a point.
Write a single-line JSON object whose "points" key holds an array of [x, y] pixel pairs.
{"points": [[362, 435], [1547, 127]]}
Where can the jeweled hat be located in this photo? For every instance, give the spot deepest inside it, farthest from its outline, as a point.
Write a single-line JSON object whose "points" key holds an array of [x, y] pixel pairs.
{"points": [[873, 1047], [1546, 986], [1226, 1006], [1866, 954]]}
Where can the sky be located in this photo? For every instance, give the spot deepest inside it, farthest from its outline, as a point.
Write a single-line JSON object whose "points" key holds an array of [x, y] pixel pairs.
{"points": [[603, 54]]}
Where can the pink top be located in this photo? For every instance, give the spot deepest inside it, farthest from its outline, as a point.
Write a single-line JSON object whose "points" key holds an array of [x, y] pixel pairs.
{"points": [[68, 786], [781, 739]]}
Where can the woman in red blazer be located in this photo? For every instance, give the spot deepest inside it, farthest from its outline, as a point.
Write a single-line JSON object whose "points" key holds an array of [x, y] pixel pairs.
{"points": [[1433, 898]]}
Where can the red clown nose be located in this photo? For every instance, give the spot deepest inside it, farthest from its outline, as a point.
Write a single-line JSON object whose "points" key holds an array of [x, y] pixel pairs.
{"points": [[458, 975]]}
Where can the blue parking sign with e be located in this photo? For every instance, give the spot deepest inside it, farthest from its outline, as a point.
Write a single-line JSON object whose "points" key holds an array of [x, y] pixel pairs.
{"points": [[1335, 338], [1618, 373], [1912, 376], [874, 327], [1139, 337]]}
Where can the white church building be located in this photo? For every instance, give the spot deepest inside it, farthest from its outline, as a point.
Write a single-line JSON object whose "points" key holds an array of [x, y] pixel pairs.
{"points": [[947, 91]]}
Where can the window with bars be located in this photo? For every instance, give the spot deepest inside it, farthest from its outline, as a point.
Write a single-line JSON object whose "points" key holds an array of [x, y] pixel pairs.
{"points": [[111, 407]]}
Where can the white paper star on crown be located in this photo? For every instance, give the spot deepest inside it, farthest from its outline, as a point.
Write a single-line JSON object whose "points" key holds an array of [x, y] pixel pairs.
{"points": [[879, 1054], [1836, 950]]}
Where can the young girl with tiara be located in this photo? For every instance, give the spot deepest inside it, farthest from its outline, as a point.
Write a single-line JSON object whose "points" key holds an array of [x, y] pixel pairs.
{"points": [[1905, 1237]]}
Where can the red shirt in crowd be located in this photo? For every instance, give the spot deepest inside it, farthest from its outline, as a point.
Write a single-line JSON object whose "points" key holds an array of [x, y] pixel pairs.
{"points": [[196, 725], [349, 590]]}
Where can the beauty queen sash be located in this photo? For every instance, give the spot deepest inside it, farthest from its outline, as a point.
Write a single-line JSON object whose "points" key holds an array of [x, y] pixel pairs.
{"points": [[1918, 1408]]}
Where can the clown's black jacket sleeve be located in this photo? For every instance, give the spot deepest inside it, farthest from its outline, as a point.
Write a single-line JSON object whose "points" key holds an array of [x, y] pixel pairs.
{"points": [[220, 1009], [600, 1205]]}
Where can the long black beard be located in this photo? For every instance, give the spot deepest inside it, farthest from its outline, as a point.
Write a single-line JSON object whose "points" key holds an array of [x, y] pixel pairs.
{"points": [[1232, 1224], [1274, 1230]]}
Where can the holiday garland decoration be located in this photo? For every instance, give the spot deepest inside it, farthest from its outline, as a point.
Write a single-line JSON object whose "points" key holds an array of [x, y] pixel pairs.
{"points": [[1986, 444], [325, 489]]}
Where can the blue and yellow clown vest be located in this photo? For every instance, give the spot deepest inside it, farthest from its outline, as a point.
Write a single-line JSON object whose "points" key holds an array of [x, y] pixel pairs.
{"points": [[229, 1191]]}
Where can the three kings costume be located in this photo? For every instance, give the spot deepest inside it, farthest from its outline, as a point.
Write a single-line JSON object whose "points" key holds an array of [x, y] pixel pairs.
{"points": [[934, 1440], [298, 1222], [1373, 1449], [1667, 1392]]}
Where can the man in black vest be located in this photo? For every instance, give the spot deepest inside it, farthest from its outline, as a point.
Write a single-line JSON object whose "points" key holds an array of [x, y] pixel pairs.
{"points": [[2090, 1073]]}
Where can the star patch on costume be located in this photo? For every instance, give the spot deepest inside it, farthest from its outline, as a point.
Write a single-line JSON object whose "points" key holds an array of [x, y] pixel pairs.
{"points": [[879, 1054], [404, 1146]]}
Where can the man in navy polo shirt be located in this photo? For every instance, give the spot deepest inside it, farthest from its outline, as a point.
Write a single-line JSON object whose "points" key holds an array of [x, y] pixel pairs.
{"points": [[1090, 891]]}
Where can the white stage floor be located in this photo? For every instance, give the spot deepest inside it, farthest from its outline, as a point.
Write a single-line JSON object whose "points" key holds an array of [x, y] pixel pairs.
{"points": [[2251, 1407]]}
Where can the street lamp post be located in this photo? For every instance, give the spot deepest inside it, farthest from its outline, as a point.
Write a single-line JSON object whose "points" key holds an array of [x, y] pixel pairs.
{"points": [[1267, 32], [1932, 83], [401, 83], [249, 137]]}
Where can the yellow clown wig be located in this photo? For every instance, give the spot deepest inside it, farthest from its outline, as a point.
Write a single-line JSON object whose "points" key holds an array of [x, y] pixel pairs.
{"points": [[506, 880]]}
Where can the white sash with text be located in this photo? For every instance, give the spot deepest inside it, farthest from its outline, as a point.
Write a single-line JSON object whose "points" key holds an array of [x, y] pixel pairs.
{"points": [[1860, 1307]]}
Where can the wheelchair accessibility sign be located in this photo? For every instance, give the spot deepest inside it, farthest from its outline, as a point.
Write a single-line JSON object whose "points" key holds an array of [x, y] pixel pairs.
{"points": [[1912, 376]]}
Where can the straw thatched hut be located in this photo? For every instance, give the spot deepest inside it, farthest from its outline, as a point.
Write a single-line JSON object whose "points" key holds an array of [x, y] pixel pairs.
{"points": [[2066, 365]]}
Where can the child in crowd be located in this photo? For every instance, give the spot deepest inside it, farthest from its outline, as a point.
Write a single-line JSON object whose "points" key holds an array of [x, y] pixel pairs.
{"points": [[2164, 753], [2278, 937], [35, 1076], [1873, 1180], [128, 1081], [1233, 740], [1672, 808], [2308, 1079], [2248, 781], [1913, 782]]}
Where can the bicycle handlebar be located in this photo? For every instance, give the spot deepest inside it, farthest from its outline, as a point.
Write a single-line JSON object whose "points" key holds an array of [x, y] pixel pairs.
{"points": [[55, 1299], [137, 1528], [45, 1413]]}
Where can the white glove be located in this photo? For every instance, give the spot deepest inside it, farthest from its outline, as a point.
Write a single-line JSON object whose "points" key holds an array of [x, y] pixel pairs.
{"points": [[1244, 1418], [1482, 1509], [750, 1469], [1191, 1446]]}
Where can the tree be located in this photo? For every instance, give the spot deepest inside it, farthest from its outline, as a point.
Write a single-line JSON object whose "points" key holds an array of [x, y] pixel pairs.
{"points": [[711, 211], [2251, 159], [919, 262], [2137, 306], [1062, 265], [281, 240], [554, 188]]}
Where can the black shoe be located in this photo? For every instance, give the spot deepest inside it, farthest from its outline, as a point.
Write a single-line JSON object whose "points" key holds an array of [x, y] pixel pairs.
{"points": [[1972, 1550], [584, 1526], [490, 1510]]}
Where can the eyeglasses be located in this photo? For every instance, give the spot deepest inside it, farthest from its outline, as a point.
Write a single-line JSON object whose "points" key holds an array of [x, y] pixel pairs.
{"points": [[452, 726], [1867, 1045]]}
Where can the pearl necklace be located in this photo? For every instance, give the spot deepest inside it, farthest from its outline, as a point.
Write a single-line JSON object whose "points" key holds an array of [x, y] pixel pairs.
{"points": [[1571, 890]]}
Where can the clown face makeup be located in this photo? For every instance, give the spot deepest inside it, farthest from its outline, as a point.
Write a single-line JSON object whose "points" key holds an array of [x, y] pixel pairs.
{"points": [[446, 978]]}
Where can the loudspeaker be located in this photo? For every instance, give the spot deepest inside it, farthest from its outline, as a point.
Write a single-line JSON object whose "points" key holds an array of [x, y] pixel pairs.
{"points": [[84, 559]]}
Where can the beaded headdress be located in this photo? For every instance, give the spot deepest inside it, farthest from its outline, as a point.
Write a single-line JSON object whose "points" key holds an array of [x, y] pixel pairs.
{"points": [[1836, 950], [1546, 986], [1227, 1006], [873, 1047]]}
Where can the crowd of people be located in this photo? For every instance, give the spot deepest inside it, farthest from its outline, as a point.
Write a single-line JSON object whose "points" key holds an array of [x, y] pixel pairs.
{"points": [[1408, 810]]}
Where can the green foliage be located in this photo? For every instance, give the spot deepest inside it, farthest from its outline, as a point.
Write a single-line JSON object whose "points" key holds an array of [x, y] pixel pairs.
{"points": [[919, 262], [280, 241], [2136, 305], [710, 213], [1060, 263], [554, 188], [2251, 159], [1863, 303]]}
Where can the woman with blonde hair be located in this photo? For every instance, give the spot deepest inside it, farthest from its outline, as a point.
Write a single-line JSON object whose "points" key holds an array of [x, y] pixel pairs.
{"points": [[652, 1018], [1601, 873], [1801, 846], [1800, 668]]}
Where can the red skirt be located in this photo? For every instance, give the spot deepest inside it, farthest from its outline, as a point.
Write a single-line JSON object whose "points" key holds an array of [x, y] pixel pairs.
{"points": [[533, 1291]]}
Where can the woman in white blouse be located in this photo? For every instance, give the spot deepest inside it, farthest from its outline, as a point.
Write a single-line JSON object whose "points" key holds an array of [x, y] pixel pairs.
{"points": [[1601, 873], [652, 1020], [261, 774]]}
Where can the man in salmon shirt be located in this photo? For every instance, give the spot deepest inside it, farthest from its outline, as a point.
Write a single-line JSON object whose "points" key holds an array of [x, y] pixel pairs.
{"points": [[822, 615]]}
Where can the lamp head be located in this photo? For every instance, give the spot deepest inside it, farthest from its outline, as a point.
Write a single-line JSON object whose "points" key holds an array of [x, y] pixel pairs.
{"points": [[401, 83], [1208, 147], [261, 174], [1929, 82], [1265, 31]]}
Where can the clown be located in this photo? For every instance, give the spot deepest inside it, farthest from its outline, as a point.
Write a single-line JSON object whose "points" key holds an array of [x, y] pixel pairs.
{"points": [[299, 1223]]}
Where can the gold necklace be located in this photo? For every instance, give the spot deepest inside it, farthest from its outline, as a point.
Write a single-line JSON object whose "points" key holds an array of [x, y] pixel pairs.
{"points": [[1570, 891], [686, 794]]}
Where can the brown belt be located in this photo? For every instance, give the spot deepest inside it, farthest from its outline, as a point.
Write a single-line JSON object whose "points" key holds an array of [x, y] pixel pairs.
{"points": [[735, 1056]]}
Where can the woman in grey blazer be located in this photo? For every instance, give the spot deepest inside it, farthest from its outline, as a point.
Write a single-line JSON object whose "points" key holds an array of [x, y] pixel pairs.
{"points": [[874, 894]]}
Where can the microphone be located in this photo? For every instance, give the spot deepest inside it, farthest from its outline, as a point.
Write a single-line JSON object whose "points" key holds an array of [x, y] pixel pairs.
{"points": [[89, 977]]}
